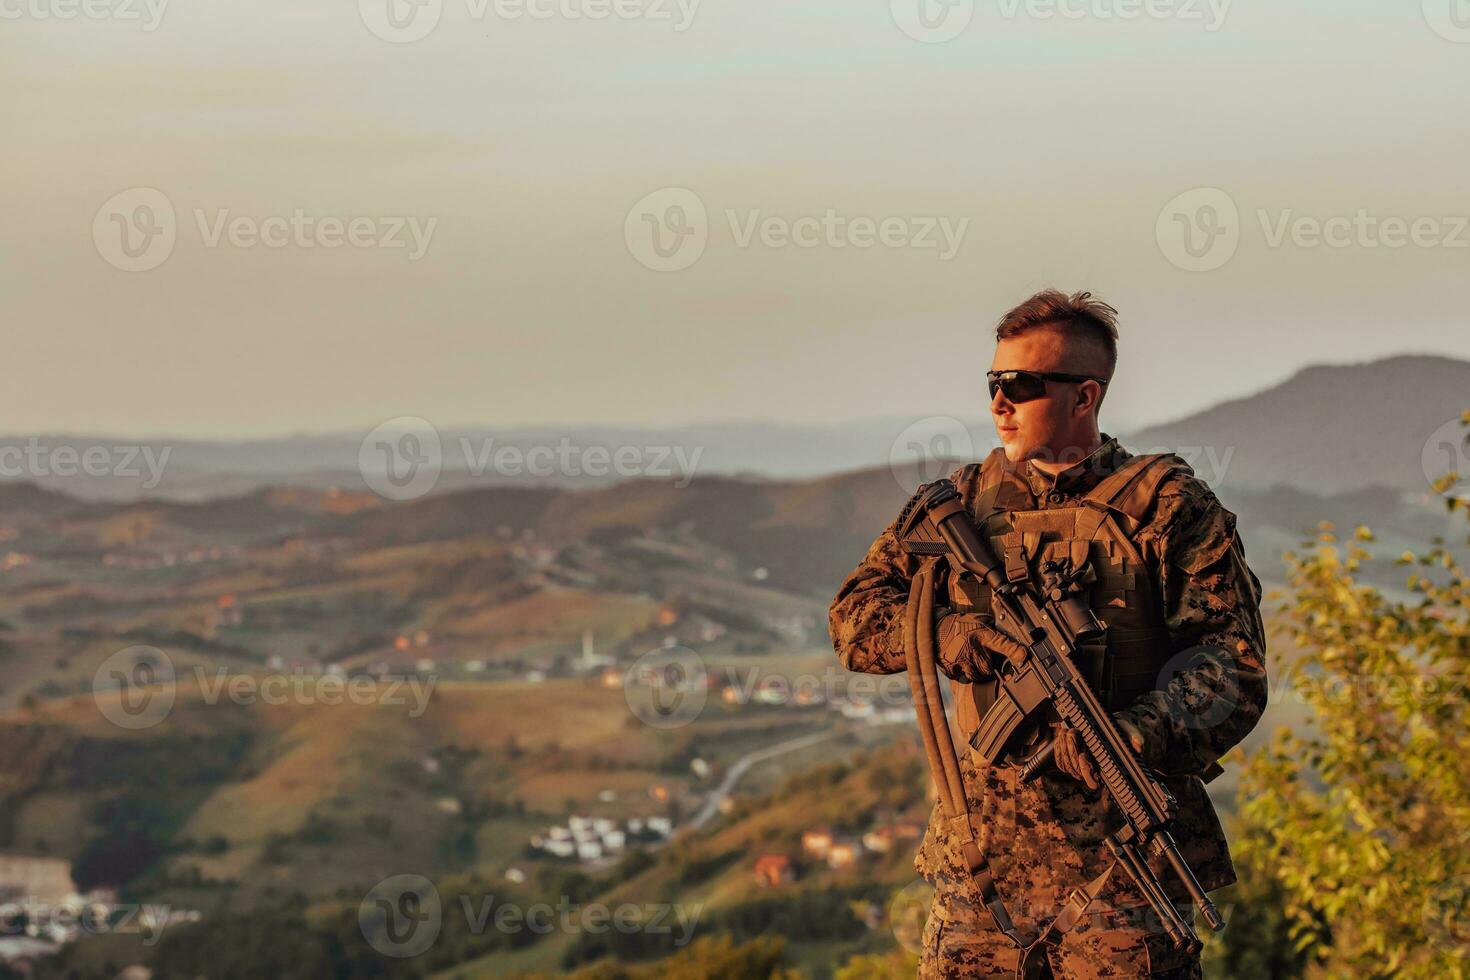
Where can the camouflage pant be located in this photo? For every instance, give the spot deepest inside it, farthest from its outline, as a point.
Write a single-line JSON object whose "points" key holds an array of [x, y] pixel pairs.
{"points": [[961, 940]]}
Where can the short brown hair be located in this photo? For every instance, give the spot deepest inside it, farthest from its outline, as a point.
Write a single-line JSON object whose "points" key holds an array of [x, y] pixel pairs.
{"points": [[1078, 315]]}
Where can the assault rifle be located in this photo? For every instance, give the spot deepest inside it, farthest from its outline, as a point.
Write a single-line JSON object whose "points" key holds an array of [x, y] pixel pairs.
{"points": [[1051, 618]]}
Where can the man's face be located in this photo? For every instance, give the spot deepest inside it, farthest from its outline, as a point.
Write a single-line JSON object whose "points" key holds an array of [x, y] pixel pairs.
{"points": [[1047, 427]]}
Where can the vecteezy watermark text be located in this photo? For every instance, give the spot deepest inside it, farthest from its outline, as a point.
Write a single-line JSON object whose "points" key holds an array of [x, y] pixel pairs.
{"points": [[937, 21], [147, 13], [669, 229], [304, 230], [137, 230], [136, 688], [407, 21], [1210, 13], [37, 460], [403, 458], [68, 920], [1200, 230], [411, 691], [567, 458], [402, 916]]}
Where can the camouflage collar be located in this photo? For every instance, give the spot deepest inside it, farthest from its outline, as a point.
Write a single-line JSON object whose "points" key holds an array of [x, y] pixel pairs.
{"points": [[1081, 476]]}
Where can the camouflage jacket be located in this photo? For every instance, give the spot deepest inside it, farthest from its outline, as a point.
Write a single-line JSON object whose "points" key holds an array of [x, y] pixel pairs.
{"points": [[1045, 837]]}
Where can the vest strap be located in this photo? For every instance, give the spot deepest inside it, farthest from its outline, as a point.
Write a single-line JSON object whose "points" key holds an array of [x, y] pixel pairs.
{"points": [[1139, 497], [992, 472], [1116, 483]]}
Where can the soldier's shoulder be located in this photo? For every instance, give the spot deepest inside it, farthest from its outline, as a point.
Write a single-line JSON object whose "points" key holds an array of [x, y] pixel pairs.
{"points": [[1195, 527], [1182, 481], [1184, 497], [967, 477]]}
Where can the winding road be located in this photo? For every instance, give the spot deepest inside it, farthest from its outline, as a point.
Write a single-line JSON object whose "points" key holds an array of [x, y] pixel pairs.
{"points": [[712, 805]]}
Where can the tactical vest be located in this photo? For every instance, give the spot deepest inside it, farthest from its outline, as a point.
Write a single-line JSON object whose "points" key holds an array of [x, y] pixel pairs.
{"points": [[1095, 528]]}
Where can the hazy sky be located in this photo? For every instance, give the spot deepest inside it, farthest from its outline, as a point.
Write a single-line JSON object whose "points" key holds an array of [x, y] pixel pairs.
{"points": [[1050, 147]]}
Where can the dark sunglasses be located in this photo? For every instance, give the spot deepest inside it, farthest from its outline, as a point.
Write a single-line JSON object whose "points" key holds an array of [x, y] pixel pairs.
{"points": [[1025, 386]]}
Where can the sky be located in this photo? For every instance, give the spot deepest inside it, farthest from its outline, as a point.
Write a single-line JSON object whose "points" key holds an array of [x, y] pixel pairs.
{"points": [[259, 218]]}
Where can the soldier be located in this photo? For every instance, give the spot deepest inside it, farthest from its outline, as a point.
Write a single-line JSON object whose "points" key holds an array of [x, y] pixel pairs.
{"points": [[1182, 665]]}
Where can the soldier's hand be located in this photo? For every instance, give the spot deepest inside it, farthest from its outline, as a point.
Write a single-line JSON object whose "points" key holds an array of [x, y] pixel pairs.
{"points": [[1068, 755], [1135, 737], [1071, 759], [968, 644]]}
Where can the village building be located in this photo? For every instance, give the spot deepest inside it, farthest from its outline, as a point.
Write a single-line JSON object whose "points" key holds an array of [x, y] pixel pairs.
{"points": [[816, 842], [879, 840], [774, 870], [843, 854]]}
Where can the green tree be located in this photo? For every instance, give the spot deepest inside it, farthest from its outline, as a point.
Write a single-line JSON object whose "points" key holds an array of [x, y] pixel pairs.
{"points": [[897, 964], [712, 958], [1364, 816]]}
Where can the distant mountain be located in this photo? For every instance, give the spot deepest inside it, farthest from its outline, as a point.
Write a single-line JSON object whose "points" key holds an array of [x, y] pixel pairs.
{"points": [[1329, 428], [581, 457]]}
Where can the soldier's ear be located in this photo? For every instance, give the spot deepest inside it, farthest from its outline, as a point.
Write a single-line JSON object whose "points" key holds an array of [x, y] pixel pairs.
{"points": [[1087, 393]]}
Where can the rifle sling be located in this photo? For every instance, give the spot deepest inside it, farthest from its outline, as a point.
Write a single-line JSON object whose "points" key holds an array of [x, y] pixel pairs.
{"points": [[922, 661]]}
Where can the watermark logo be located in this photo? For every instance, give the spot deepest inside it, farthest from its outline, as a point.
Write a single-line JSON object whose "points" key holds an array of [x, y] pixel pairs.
{"points": [[667, 688], [135, 230], [401, 916], [1446, 457], [1202, 710], [1450, 19], [929, 449], [932, 21], [402, 458], [134, 688], [1446, 916], [667, 230], [908, 914], [1199, 230], [401, 21]]}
